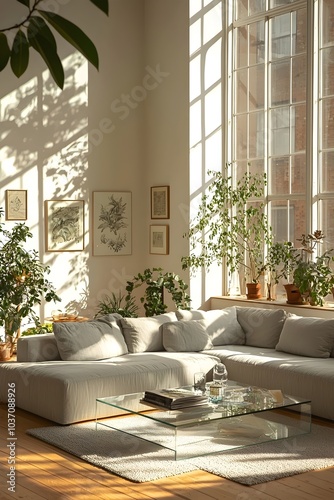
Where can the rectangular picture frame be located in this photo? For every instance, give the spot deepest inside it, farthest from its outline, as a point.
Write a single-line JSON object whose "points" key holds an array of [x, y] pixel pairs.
{"points": [[159, 239], [64, 225], [112, 223], [160, 206], [16, 204]]}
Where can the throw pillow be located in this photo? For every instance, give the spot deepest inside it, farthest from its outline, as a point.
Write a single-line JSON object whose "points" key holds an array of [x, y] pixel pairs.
{"points": [[313, 337], [145, 334], [90, 340], [186, 336], [262, 327], [221, 324]]}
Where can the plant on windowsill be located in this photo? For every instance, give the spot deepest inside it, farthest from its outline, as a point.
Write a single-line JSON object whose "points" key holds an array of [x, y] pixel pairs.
{"points": [[231, 227], [156, 282], [23, 281], [313, 277], [280, 262]]}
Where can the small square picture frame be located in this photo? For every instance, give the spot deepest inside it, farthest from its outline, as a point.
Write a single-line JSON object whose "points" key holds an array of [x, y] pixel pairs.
{"points": [[159, 239], [160, 202], [16, 204]]}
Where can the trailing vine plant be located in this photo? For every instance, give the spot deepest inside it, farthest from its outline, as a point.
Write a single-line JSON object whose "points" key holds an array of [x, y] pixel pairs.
{"points": [[33, 31], [156, 282]]}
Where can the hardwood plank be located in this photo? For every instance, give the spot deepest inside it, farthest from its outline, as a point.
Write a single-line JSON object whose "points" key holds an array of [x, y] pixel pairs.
{"points": [[48, 473]]}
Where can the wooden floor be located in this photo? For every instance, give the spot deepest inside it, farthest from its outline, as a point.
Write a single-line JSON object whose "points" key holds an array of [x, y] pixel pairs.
{"points": [[45, 472]]}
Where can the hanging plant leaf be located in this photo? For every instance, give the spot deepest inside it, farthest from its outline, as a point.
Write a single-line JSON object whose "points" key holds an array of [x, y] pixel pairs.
{"points": [[102, 5], [4, 51], [24, 2], [20, 54], [46, 46], [37, 25], [74, 35]]}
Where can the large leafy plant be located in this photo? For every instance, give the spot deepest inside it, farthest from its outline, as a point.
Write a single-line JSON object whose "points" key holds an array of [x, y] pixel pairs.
{"points": [[155, 283], [23, 281], [231, 226], [34, 31]]}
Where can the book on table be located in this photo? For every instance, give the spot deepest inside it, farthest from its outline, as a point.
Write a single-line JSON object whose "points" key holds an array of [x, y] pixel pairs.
{"points": [[174, 399]]}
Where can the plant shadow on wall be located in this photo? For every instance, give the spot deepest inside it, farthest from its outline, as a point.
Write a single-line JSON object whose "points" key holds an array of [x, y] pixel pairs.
{"points": [[231, 227]]}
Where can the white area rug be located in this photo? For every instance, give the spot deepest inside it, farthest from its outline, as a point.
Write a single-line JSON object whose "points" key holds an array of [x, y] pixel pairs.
{"points": [[139, 460]]}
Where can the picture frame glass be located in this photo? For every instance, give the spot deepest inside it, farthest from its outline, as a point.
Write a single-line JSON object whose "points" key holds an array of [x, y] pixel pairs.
{"points": [[112, 224], [64, 225], [159, 239], [160, 202], [16, 204]]}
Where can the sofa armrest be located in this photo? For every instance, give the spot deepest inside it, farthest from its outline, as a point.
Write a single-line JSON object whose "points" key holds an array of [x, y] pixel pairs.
{"points": [[41, 347]]}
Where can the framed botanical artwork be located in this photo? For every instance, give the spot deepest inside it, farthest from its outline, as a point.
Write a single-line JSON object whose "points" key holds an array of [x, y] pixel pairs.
{"points": [[159, 239], [16, 204], [112, 223], [160, 202], [64, 221]]}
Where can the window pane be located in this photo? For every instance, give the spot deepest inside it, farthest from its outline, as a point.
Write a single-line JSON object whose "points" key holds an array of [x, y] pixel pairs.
{"points": [[328, 123], [240, 134], [256, 135], [241, 9], [298, 128], [256, 87], [241, 90], [281, 212], [327, 226], [299, 31], [279, 175], [298, 174], [280, 82], [327, 71], [327, 22], [280, 36], [299, 78], [277, 3], [241, 47], [256, 42], [256, 6], [280, 131], [327, 172]]}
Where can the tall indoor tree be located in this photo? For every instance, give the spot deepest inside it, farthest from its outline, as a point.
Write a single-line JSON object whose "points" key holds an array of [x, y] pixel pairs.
{"points": [[34, 31]]}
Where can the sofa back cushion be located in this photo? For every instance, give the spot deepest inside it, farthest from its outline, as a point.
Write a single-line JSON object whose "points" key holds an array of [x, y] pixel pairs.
{"points": [[186, 336], [145, 334], [304, 336], [221, 324], [42, 347], [90, 340], [262, 327]]}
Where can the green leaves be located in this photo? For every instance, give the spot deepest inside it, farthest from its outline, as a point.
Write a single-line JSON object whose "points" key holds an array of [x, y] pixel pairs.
{"points": [[74, 35], [33, 31], [42, 40], [102, 5], [4, 51], [20, 54]]}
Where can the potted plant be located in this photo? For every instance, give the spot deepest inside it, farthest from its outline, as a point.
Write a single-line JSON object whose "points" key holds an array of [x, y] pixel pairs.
{"points": [[231, 227], [23, 280], [5, 350], [156, 282], [125, 306], [313, 277], [280, 262]]}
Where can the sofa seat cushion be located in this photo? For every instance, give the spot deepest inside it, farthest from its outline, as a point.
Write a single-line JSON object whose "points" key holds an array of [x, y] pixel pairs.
{"points": [[300, 376], [66, 391], [90, 340]]}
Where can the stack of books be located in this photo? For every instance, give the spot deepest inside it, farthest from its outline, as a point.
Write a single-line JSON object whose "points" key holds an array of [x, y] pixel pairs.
{"points": [[173, 399]]}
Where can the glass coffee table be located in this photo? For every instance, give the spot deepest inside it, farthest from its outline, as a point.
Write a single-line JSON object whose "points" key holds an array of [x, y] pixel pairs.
{"points": [[247, 415]]}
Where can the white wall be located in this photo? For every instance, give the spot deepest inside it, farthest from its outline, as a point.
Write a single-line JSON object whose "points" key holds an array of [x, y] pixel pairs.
{"points": [[111, 130]]}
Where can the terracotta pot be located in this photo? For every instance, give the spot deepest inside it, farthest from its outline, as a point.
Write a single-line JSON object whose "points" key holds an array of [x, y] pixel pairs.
{"points": [[293, 295], [253, 291], [4, 352]]}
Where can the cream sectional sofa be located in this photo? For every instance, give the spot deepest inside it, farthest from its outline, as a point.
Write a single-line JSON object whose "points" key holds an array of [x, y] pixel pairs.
{"points": [[59, 376]]}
